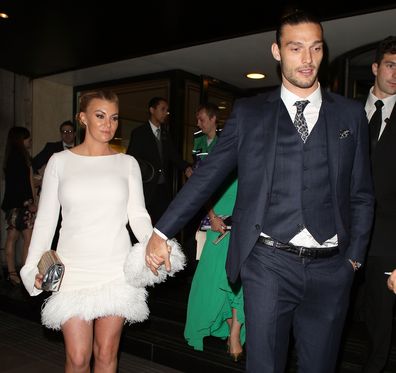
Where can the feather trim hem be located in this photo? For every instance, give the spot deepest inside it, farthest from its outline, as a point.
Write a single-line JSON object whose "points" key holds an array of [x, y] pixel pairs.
{"points": [[112, 299]]}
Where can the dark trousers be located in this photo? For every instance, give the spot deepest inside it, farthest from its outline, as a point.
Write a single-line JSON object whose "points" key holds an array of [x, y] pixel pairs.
{"points": [[283, 291], [378, 311]]}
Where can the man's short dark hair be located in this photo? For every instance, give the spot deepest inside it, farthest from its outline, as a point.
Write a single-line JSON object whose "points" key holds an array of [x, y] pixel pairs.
{"points": [[295, 17], [386, 46], [66, 123], [154, 102]]}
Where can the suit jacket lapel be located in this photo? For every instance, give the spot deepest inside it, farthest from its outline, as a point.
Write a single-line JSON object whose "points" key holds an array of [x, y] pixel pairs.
{"points": [[333, 120], [152, 141], [389, 128], [268, 139]]}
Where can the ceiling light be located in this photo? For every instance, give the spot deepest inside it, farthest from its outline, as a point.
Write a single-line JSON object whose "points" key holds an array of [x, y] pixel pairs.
{"points": [[255, 75], [3, 15]]}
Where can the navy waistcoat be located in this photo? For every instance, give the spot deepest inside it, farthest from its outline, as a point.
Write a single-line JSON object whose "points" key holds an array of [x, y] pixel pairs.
{"points": [[300, 195]]}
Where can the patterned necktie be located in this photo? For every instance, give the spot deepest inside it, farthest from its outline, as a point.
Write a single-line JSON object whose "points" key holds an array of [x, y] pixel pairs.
{"points": [[158, 134], [299, 121], [375, 124]]}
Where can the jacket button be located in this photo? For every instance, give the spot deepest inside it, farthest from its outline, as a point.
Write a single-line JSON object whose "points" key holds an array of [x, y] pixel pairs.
{"points": [[257, 226]]}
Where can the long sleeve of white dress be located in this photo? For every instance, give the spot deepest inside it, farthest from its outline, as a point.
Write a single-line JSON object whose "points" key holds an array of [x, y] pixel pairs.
{"points": [[44, 226]]}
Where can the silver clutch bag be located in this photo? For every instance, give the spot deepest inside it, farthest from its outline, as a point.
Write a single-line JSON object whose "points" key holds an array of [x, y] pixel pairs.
{"points": [[52, 268]]}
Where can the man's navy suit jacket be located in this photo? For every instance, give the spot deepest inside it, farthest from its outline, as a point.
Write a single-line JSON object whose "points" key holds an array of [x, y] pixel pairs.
{"points": [[248, 143], [384, 176]]}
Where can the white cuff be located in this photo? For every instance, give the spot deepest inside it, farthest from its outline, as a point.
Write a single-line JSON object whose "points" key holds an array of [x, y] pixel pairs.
{"points": [[160, 234]]}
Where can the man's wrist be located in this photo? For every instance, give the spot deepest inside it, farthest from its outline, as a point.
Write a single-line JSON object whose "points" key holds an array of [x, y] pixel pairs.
{"points": [[159, 233]]}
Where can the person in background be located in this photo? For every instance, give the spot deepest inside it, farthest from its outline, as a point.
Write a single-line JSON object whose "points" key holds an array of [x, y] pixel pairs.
{"points": [[206, 138], [68, 137], [19, 203], [204, 141], [304, 207], [153, 148], [381, 111], [99, 191], [215, 307]]}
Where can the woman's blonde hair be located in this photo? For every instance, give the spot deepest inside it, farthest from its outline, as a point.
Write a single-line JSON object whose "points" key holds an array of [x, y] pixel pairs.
{"points": [[86, 98]]}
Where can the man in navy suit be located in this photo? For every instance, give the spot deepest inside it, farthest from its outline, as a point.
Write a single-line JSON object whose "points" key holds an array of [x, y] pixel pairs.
{"points": [[304, 207], [68, 135]]}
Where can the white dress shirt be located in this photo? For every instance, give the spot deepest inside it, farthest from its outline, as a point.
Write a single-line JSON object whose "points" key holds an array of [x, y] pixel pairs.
{"points": [[154, 129]]}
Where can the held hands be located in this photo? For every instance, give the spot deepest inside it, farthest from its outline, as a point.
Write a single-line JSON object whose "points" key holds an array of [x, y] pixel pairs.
{"points": [[157, 253], [38, 281], [392, 282]]}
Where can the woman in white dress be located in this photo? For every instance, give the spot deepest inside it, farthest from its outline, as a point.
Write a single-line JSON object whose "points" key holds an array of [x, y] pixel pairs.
{"points": [[99, 191]]}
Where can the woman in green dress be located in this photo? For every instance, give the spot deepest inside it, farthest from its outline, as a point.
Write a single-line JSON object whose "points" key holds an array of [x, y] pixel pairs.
{"points": [[215, 307]]}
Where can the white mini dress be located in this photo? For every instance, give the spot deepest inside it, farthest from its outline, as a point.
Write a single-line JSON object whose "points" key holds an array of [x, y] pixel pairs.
{"points": [[98, 196]]}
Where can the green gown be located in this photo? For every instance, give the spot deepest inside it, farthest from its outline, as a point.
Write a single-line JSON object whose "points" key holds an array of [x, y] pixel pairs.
{"points": [[211, 296]]}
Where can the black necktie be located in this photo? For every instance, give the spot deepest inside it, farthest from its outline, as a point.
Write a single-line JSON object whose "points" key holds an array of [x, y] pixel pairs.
{"points": [[375, 124], [299, 121]]}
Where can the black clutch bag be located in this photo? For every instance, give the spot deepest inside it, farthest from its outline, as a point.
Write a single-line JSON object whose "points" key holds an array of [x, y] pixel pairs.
{"points": [[52, 268]]}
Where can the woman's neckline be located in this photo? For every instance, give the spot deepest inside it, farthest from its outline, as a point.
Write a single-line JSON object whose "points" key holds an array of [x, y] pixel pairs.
{"points": [[91, 156]]}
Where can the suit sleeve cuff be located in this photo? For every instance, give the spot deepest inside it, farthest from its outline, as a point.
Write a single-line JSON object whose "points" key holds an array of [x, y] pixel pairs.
{"points": [[160, 234]]}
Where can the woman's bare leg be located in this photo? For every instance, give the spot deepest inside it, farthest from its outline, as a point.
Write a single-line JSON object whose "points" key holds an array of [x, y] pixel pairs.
{"points": [[11, 240], [106, 343], [235, 346], [78, 336], [27, 235]]}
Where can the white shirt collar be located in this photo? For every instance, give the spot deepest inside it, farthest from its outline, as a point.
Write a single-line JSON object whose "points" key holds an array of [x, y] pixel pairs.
{"points": [[289, 98], [154, 128], [389, 103]]}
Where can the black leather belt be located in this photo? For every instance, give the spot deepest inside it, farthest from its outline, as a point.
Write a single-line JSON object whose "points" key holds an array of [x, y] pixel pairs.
{"points": [[308, 252]]}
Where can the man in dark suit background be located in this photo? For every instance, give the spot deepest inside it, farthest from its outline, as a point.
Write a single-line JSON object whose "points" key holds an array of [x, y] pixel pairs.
{"points": [[68, 136], [379, 302], [304, 207], [153, 148]]}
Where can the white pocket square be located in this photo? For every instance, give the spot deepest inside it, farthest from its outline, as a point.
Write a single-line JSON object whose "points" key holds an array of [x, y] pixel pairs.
{"points": [[344, 134]]}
